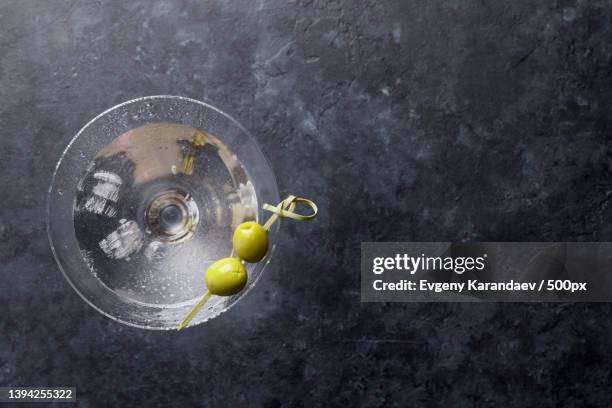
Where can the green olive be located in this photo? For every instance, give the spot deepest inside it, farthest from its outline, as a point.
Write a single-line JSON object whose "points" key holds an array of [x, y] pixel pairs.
{"points": [[226, 277], [250, 241]]}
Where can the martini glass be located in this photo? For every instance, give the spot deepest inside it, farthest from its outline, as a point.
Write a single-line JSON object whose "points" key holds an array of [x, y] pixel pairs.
{"points": [[145, 197]]}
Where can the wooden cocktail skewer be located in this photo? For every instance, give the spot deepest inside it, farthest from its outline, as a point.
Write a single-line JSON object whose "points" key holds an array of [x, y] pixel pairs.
{"points": [[228, 276]]}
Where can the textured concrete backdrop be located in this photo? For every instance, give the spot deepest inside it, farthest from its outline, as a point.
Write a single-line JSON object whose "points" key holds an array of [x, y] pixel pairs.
{"points": [[405, 120]]}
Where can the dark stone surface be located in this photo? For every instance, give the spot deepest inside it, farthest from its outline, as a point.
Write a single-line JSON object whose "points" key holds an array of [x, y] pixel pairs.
{"points": [[404, 120]]}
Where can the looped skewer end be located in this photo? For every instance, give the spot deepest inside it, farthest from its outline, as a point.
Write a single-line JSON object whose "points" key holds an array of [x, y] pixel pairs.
{"points": [[286, 209]]}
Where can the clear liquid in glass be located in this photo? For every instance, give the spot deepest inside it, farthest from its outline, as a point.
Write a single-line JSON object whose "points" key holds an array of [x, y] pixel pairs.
{"points": [[156, 207]]}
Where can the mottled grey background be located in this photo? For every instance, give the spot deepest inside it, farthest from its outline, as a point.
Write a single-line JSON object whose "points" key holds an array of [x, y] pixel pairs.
{"points": [[409, 120]]}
